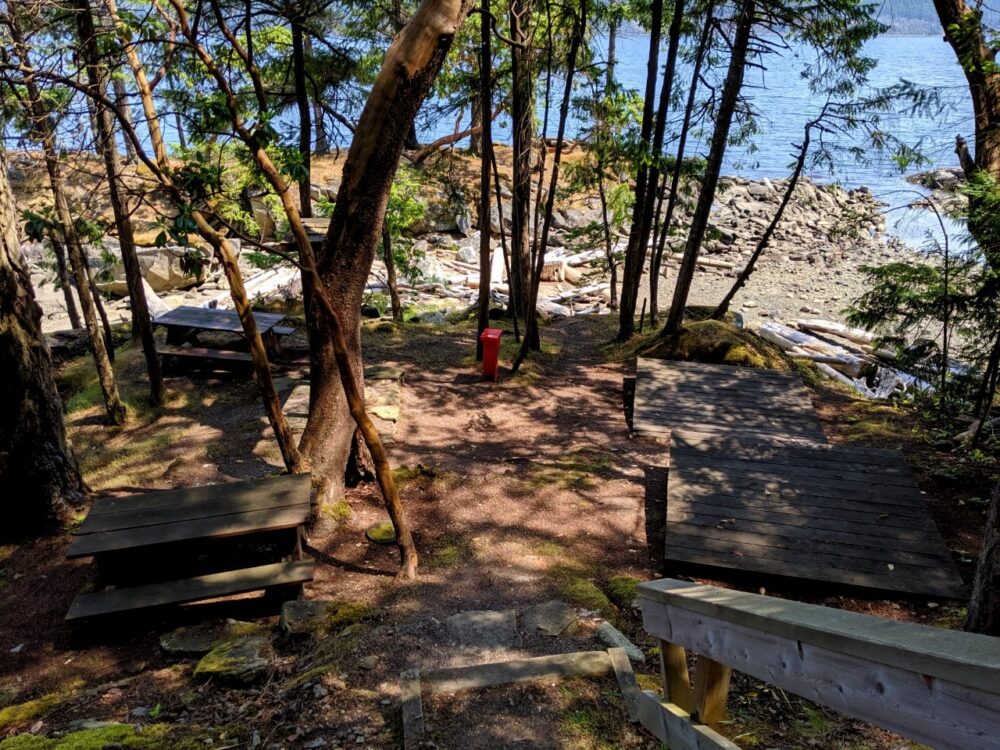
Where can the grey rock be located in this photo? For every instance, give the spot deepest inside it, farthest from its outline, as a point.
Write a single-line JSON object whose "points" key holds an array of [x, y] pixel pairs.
{"points": [[196, 640], [760, 191], [809, 310], [140, 712], [467, 254], [613, 637], [550, 618], [484, 628], [303, 617], [369, 662], [240, 661]]}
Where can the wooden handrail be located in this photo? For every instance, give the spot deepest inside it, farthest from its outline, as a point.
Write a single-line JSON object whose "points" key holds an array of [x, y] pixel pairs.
{"points": [[939, 687]]}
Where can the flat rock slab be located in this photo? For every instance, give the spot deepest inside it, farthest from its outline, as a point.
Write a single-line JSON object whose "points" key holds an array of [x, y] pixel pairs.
{"points": [[241, 661], [615, 638], [549, 618], [484, 628], [556, 666], [197, 640]]}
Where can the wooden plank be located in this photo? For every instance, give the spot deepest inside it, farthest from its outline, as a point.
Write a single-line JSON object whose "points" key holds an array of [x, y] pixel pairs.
{"points": [[190, 589], [711, 689], [200, 352], [702, 368], [705, 510], [578, 664], [931, 710], [834, 451], [626, 681], [412, 708], [821, 456], [674, 675], [218, 527], [214, 319], [764, 485], [938, 585], [813, 472], [871, 541], [784, 555], [959, 657], [674, 727], [288, 486]]}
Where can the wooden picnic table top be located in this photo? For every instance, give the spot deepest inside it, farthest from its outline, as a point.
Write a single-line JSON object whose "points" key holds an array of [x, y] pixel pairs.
{"points": [[210, 512], [214, 319]]}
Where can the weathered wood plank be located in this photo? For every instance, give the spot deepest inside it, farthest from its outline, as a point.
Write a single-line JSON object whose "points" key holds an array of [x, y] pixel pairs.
{"points": [[711, 690], [812, 472], [832, 452], [902, 682], [190, 589], [218, 527], [262, 490], [412, 709], [674, 675], [578, 664], [763, 485], [214, 319], [673, 726], [201, 352], [626, 681], [806, 538]]}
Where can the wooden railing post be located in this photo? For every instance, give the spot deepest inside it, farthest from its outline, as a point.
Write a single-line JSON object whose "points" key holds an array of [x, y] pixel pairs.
{"points": [[711, 689], [674, 674]]}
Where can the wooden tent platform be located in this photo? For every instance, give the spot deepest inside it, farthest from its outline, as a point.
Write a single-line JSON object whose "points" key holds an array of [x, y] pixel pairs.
{"points": [[749, 403], [850, 516]]}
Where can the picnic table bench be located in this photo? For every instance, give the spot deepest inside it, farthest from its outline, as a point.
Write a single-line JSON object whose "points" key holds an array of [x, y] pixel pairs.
{"points": [[184, 323], [186, 545]]}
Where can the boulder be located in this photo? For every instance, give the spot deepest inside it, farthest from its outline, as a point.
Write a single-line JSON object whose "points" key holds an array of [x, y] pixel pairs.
{"points": [[760, 191], [549, 618], [240, 661], [320, 617], [196, 640], [467, 254], [164, 268]]}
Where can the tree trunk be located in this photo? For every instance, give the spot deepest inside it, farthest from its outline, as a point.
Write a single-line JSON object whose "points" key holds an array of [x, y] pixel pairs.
{"points": [[984, 605], [305, 116], [724, 118], [635, 257], [141, 322], [656, 263], [59, 250], [531, 337], [486, 149], [322, 139], [272, 404], [644, 209], [765, 239], [95, 294], [476, 136], [965, 33], [410, 67], [40, 474], [523, 125], [121, 99], [390, 274], [45, 131]]}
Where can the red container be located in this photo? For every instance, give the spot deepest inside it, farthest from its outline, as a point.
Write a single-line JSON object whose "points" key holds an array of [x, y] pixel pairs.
{"points": [[490, 338]]}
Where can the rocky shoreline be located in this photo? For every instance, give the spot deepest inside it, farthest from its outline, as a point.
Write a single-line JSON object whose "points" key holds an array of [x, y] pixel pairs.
{"points": [[812, 266]]}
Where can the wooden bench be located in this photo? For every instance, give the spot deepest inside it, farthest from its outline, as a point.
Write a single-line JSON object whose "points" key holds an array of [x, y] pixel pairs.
{"points": [[203, 353], [938, 687], [186, 545]]}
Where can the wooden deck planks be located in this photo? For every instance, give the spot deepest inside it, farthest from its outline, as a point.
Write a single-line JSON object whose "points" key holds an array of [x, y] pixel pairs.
{"points": [[812, 513], [750, 404]]}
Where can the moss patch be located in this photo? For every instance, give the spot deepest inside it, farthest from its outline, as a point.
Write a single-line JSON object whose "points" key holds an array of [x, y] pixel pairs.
{"points": [[713, 342], [340, 512], [382, 532], [622, 590], [22, 713], [126, 737]]}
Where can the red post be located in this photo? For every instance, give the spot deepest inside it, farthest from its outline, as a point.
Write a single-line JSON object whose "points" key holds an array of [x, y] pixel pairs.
{"points": [[490, 338]]}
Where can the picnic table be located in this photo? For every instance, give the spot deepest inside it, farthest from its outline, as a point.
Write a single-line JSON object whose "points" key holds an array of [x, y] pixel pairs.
{"points": [[184, 323], [186, 545]]}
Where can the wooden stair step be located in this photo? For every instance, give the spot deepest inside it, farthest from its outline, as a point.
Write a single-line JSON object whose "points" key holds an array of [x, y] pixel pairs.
{"points": [[190, 589]]}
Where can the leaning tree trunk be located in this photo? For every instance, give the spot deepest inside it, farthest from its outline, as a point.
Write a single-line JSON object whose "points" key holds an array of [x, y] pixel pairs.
{"points": [[411, 65], [39, 471], [984, 605], [305, 115], [523, 116], [59, 250], [976, 53], [765, 239], [486, 152], [635, 256], [141, 322], [390, 274], [724, 118]]}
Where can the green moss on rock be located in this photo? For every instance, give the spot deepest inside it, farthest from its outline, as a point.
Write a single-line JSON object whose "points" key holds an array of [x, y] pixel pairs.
{"points": [[27, 742], [622, 590], [584, 593], [340, 512], [715, 342], [123, 737], [382, 533], [21, 713]]}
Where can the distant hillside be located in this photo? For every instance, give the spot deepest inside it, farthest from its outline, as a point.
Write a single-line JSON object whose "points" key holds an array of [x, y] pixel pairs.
{"points": [[918, 17]]}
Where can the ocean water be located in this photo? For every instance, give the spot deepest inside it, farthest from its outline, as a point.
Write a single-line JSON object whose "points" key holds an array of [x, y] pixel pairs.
{"points": [[784, 104]]}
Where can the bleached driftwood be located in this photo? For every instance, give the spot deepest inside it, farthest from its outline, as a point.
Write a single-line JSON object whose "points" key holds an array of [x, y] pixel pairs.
{"points": [[284, 282], [800, 344], [857, 335]]}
